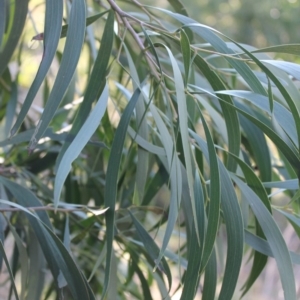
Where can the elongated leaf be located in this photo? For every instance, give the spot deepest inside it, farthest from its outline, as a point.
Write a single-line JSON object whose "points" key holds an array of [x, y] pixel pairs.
{"points": [[192, 274], [215, 192], [260, 260], [23, 260], [186, 54], [178, 6], [57, 256], [230, 115], [274, 237], [78, 144], [183, 125], [290, 68], [151, 248], [53, 21], [3, 254], [64, 29], [67, 68], [258, 144], [174, 169], [210, 278], [2, 19], [287, 48], [209, 35], [293, 108], [37, 265], [263, 246], [112, 179], [143, 156], [234, 225], [20, 8], [96, 83]]}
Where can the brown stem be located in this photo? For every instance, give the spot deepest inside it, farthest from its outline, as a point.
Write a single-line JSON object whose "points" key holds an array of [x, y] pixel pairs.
{"points": [[123, 15]]}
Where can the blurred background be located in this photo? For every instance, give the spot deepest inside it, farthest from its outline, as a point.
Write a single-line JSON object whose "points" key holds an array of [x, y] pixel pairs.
{"points": [[259, 23]]}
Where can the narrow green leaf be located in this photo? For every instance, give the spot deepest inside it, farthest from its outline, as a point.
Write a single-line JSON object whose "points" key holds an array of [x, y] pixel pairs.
{"points": [[178, 6], [67, 68], [260, 260], [287, 48], [215, 192], [186, 54], [23, 260], [2, 252], [64, 29], [11, 108], [282, 115], [143, 156], [174, 169], [81, 139], [230, 115], [151, 248], [274, 237], [57, 256], [152, 48], [3, 11], [37, 265], [112, 180], [208, 34], [210, 278], [293, 108], [258, 143], [20, 8], [53, 21], [96, 84], [233, 220], [191, 280], [183, 125], [289, 67], [270, 94], [261, 245]]}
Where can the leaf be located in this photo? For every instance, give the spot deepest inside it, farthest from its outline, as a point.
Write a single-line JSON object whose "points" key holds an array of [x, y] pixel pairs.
{"points": [[67, 68], [274, 238], [213, 214], [3, 254], [96, 84], [152, 249], [37, 265], [80, 140], [210, 278], [174, 169], [191, 280], [178, 6], [233, 220], [263, 246], [23, 260], [229, 114], [186, 54], [53, 21], [112, 179], [183, 125], [64, 29], [20, 8], [57, 256], [2, 20], [143, 156], [286, 48], [289, 67]]}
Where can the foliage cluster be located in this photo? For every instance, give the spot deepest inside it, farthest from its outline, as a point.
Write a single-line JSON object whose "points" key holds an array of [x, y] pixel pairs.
{"points": [[149, 159]]}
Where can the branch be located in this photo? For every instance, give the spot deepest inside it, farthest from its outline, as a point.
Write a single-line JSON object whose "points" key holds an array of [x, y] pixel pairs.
{"points": [[123, 15]]}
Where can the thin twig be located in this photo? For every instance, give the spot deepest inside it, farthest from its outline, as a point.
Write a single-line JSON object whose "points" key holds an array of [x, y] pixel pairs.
{"points": [[44, 208], [123, 15]]}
